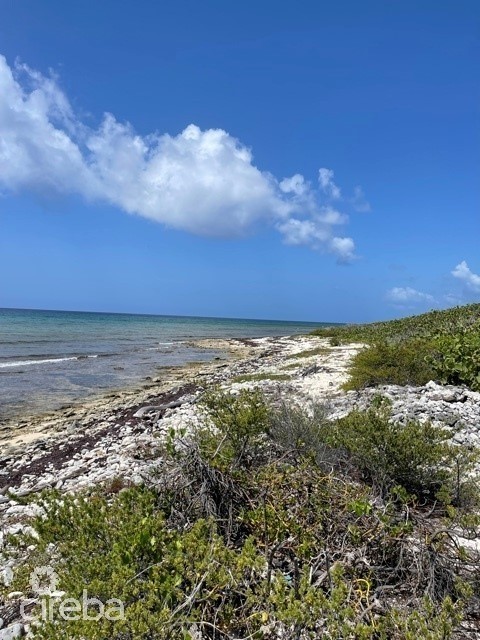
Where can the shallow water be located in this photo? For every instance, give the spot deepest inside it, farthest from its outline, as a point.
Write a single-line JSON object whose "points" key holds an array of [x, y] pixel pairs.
{"points": [[52, 358]]}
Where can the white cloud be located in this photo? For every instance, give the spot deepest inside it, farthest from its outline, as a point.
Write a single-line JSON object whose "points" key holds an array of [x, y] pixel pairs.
{"points": [[316, 232], [344, 248], [454, 299], [408, 296], [463, 272], [296, 184], [306, 232], [327, 185], [359, 202], [202, 182], [329, 215]]}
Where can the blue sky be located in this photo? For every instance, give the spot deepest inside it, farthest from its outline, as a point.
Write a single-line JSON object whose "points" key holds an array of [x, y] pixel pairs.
{"points": [[317, 161]]}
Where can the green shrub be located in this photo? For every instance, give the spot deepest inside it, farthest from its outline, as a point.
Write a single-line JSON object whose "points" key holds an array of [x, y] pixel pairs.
{"points": [[240, 420], [293, 576], [439, 345], [426, 325], [308, 353], [167, 579], [392, 363], [219, 548], [301, 434], [456, 359], [415, 456]]}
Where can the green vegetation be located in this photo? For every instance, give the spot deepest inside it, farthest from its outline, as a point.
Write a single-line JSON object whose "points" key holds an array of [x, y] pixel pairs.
{"points": [[400, 363], [270, 523], [308, 353], [440, 345], [258, 377], [456, 358], [292, 365], [459, 319], [415, 456]]}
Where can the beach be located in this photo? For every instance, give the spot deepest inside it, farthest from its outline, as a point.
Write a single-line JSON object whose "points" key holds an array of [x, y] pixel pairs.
{"points": [[50, 360], [94, 441], [117, 441]]}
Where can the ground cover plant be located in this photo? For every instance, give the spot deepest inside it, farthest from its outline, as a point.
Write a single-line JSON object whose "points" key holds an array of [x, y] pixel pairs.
{"points": [[270, 522], [259, 377], [439, 345]]}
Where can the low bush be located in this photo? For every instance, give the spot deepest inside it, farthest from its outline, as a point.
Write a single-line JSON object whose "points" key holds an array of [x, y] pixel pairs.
{"points": [[240, 423], [259, 377], [253, 538], [392, 363], [439, 345], [426, 325], [312, 564], [296, 431], [170, 582], [308, 353], [456, 359], [415, 456], [302, 435]]}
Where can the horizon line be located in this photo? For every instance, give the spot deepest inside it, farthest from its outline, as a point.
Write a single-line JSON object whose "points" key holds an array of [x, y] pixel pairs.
{"points": [[170, 315]]}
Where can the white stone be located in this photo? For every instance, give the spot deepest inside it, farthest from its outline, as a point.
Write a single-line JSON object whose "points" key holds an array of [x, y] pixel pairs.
{"points": [[13, 631]]}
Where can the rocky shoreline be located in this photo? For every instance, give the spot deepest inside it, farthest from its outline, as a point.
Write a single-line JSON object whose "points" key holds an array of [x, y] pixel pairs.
{"points": [[108, 437], [121, 435]]}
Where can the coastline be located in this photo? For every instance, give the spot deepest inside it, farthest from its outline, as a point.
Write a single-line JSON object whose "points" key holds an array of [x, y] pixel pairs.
{"points": [[117, 442], [25, 427], [98, 440], [122, 434]]}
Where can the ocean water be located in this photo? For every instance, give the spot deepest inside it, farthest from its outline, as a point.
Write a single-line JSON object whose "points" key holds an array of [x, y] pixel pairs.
{"points": [[50, 359]]}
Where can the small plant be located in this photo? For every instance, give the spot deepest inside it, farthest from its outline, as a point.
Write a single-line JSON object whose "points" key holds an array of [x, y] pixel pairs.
{"points": [[301, 434], [308, 353], [259, 377]]}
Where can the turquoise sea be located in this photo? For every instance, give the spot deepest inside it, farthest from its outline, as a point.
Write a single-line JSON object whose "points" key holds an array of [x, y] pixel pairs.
{"points": [[52, 358]]}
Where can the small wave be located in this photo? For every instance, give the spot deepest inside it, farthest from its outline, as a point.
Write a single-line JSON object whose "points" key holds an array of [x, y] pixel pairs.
{"points": [[25, 363], [32, 356], [164, 344]]}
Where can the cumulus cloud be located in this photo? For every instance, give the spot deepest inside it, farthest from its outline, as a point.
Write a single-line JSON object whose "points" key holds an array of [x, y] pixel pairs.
{"points": [[316, 232], [406, 296], [203, 182], [463, 272], [327, 185]]}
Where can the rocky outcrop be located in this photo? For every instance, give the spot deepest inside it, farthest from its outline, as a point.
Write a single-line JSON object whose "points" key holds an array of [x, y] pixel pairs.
{"points": [[455, 408]]}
